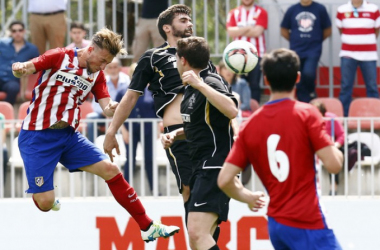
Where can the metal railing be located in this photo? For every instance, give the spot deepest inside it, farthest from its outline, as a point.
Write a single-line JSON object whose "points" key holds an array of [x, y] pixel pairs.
{"points": [[361, 180], [209, 17]]}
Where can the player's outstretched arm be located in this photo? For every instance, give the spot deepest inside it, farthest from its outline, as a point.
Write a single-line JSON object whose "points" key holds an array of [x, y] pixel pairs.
{"points": [[168, 138], [20, 69], [232, 187], [122, 112], [332, 158], [108, 106]]}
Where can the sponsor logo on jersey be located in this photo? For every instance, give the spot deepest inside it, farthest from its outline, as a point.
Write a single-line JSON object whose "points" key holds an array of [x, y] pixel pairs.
{"points": [[39, 181], [191, 101], [172, 59], [73, 80], [186, 118]]}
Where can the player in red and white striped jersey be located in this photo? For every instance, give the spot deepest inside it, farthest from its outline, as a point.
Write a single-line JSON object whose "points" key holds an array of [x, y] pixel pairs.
{"points": [[66, 77], [248, 22], [358, 22]]}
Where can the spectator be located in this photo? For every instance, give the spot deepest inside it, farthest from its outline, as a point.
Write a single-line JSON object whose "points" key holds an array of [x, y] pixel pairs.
{"points": [[77, 34], [47, 23], [238, 86], [2, 140], [358, 22], [146, 27], [116, 81], [248, 22], [335, 129], [14, 49], [144, 109], [306, 25]]}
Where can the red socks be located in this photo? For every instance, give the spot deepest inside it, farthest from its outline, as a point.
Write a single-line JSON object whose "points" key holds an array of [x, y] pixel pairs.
{"points": [[127, 198]]}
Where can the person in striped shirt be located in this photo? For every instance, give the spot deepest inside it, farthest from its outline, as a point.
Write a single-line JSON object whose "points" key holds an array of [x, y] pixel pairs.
{"points": [[248, 23], [48, 135], [358, 22]]}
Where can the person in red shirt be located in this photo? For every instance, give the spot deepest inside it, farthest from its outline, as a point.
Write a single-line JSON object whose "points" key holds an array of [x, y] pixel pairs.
{"points": [[280, 140]]}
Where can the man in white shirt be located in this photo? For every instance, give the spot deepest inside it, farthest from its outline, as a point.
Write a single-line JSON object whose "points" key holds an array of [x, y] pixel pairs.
{"points": [[77, 34]]}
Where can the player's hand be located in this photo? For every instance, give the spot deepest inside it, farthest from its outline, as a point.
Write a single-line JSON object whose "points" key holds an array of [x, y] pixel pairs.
{"points": [[192, 79], [110, 109], [109, 144], [18, 69], [167, 140], [257, 201]]}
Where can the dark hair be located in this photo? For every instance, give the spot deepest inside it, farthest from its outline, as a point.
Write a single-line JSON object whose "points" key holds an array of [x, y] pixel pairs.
{"points": [[77, 25], [320, 106], [16, 22], [281, 68], [195, 50], [167, 16]]}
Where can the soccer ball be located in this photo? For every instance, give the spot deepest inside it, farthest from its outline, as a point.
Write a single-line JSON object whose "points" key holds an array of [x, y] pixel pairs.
{"points": [[240, 57]]}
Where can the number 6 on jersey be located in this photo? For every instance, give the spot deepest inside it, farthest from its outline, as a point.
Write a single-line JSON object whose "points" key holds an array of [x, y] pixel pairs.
{"points": [[278, 160]]}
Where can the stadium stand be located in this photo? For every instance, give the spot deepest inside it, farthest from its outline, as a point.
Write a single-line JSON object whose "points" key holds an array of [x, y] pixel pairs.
{"points": [[332, 105], [7, 110], [364, 108]]}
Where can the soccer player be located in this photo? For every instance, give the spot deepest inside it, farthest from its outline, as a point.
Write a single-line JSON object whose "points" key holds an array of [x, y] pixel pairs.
{"points": [[158, 68], [280, 141], [66, 77], [207, 109]]}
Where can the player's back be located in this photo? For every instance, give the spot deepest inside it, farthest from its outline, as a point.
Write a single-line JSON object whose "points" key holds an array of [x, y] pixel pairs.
{"points": [[282, 138]]}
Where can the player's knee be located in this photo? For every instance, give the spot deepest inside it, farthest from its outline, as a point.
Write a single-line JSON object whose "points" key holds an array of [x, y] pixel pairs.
{"points": [[194, 234], [110, 170], [44, 203]]}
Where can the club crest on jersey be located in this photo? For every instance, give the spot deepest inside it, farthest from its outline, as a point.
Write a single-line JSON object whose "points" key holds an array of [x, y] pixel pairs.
{"points": [[191, 101], [39, 181], [186, 118], [72, 79], [172, 59]]}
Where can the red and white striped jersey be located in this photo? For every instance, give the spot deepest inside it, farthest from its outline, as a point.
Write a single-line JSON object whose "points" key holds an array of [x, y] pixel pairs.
{"points": [[241, 17], [358, 30], [61, 88]]}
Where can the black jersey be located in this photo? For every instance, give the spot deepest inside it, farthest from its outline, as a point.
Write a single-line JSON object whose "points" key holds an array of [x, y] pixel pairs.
{"points": [[158, 68], [207, 130]]}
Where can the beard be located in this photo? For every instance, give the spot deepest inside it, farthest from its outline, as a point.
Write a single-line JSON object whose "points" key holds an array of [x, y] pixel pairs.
{"points": [[182, 33]]}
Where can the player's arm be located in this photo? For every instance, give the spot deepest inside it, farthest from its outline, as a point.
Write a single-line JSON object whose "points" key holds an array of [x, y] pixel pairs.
{"points": [[222, 102], [332, 158], [236, 31], [285, 33], [168, 138], [232, 187], [254, 31], [122, 112], [326, 33], [20, 69], [108, 106]]}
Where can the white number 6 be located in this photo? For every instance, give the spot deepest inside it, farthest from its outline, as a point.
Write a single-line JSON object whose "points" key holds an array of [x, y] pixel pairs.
{"points": [[278, 160]]}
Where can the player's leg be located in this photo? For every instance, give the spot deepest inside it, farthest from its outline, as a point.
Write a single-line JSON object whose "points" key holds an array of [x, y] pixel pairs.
{"points": [[81, 154], [200, 227], [37, 32], [56, 30], [36, 145]]}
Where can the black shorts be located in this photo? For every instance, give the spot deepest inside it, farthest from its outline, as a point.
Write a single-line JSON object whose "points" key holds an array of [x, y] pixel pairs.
{"points": [[206, 196], [179, 159]]}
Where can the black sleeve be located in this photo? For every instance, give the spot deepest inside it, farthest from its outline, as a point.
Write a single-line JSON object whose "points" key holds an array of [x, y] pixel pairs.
{"points": [[220, 86], [143, 73]]}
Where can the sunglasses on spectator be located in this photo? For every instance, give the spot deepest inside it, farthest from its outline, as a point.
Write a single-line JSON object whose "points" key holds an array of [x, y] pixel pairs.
{"points": [[356, 13], [19, 30]]}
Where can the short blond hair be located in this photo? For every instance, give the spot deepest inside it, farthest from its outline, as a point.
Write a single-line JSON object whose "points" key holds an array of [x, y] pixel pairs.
{"points": [[110, 41]]}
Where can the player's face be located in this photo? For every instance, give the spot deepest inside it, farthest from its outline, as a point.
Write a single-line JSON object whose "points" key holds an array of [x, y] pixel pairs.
{"points": [[182, 26], [17, 32], [98, 59], [77, 35], [247, 3]]}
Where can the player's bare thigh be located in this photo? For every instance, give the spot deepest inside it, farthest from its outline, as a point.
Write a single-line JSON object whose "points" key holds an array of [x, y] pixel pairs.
{"points": [[172, 112], [201, 226], [104, 169]]}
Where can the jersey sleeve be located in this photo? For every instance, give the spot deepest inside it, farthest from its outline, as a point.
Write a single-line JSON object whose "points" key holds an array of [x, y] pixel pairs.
{"points": [[238, 155], [221, 87], [231, 22], [50, 59], [262, 20], [100, 89], [286, 22], [317, 131], [142, 75]]}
